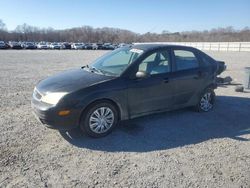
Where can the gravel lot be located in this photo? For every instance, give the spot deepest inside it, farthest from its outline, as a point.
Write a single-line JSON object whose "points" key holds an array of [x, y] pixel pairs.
{"points": [[175, 149]]}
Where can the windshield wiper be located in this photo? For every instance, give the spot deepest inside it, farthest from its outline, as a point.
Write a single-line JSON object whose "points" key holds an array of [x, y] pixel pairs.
{"points": [[99, 71], [93, 69], [85, 66]]}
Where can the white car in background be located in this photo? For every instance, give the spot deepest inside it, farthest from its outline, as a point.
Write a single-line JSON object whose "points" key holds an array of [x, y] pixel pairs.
{"points": [[43, 45], [78, 46], [55, 45], [94, 46]]}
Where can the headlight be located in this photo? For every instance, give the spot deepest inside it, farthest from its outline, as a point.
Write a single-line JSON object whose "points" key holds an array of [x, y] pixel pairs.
{"points": [[53, 98]]}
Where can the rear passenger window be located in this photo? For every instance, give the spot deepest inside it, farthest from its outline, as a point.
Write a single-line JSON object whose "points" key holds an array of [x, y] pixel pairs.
{"points": [[206, 59], [185, 60]]}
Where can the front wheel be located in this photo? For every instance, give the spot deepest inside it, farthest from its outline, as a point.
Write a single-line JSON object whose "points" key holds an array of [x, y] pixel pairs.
{"points": [[206, 101], [99, 119]]}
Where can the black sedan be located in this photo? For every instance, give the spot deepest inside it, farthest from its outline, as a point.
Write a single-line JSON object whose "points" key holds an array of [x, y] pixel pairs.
{"points": [[66, 45], [128, 82]]}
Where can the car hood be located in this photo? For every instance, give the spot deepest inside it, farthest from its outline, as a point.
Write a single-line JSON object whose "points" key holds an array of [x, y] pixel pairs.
{"points": [[70, 81]]}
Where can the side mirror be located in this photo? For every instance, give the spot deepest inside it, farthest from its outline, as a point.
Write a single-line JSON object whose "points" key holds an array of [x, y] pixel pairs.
{"points": [[141, 74]]}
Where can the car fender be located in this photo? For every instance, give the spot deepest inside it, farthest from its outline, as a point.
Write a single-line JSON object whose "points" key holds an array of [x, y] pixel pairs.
{"points": [[118, 97]]}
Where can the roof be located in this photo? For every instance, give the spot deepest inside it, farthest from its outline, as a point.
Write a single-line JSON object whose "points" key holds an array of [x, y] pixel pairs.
{"points": [[152, 46]]}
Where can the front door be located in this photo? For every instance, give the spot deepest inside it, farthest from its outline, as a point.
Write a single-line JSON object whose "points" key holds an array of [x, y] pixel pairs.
{"points": [[155, 92]]}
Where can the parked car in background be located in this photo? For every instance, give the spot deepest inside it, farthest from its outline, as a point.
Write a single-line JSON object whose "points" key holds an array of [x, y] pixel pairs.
{"points": [[66, 45], [91, 46], [129, 82], [108, 46], [15, 45], [99, 46], [78, 46], [43, 46], [122, 45], [115, 45], [29, 45], [3, 45], [55, 45], [88, 46], [61, 45], [94, 46]]}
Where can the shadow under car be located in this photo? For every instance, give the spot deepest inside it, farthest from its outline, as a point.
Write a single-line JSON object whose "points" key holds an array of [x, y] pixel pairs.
{"points": [[229, 119]]}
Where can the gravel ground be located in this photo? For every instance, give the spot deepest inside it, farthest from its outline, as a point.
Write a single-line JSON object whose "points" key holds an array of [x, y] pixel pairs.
{"points": [[175, 149]]}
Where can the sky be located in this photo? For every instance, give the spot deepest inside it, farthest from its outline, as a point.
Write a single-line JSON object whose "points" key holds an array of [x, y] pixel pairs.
{"points": [[140, 16]]}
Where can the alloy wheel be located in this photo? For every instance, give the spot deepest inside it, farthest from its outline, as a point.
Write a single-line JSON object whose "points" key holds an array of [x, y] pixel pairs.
{"points": [[206, 102]]}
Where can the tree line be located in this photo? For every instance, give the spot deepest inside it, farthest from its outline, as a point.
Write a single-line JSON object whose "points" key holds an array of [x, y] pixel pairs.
{"points": [[27, 32]]}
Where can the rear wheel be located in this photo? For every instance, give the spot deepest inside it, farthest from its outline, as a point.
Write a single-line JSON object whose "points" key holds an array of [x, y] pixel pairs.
{"points": [[206, 101], [99, 119]]}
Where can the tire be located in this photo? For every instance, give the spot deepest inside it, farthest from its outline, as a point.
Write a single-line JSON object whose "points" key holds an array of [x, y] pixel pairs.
{"points": [[206, 101], [239, 89], [99, 119]]}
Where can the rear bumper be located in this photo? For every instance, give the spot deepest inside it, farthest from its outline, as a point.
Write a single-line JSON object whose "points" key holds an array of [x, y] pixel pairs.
{"points": [[49, 117]]}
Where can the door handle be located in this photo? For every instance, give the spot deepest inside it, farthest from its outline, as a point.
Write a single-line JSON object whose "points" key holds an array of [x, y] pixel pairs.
{"points": [[199, 75]]}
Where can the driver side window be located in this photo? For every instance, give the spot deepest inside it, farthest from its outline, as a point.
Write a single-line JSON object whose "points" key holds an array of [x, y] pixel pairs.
{"points": [[156, 63]]}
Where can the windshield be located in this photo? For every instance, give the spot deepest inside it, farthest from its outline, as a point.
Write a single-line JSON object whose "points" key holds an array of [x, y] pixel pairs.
{"points": [[115, 62]]}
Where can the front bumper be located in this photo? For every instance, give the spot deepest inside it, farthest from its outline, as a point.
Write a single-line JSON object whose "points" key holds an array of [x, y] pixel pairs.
{"points": [[49, 117]]}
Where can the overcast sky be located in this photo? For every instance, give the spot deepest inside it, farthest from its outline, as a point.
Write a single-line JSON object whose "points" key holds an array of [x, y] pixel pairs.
{"points": [[136, 15]]}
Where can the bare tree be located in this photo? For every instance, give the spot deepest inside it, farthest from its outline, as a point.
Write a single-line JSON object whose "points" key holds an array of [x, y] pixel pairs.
{"points": [[2, 25], [87, 34]]}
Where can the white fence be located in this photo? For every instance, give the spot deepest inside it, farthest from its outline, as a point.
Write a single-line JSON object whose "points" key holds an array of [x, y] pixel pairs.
{"points": [[215, 46]]}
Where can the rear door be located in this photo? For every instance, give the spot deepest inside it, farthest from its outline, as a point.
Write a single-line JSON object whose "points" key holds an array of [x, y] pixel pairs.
{"points": [[188, 75]]}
